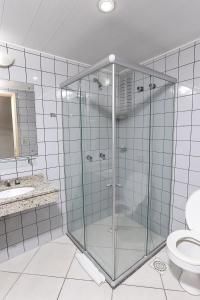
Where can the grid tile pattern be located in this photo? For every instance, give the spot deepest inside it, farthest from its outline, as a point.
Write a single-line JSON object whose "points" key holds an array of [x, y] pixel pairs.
{"points": [[26, 230], [184, 64]]}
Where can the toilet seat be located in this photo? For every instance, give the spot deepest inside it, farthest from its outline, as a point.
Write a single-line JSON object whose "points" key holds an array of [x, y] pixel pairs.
{"points": [[179, 235], [183, 247]]}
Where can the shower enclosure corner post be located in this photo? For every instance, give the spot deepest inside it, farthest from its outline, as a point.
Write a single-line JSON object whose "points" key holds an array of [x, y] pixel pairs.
{"points": [[149, 170], [113, 165], [82, 167]]}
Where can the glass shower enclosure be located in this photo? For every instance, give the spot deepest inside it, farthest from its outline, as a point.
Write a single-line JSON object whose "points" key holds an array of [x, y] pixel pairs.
{"points": [[118, 122]]}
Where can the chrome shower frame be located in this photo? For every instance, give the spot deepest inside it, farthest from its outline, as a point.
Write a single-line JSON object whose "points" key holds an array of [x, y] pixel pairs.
{"points": [[112, 61]]}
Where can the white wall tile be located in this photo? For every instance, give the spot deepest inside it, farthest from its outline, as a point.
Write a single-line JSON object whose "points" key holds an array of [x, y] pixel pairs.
{"points": [[61, 67], [33, 61], [33, 76], [47, 64], [18, 56], [172, 61], [197, 69], [197, 52], [186, 56], [72, 69], [4, 74], [17, 74], [186, 72], [48, 79]]}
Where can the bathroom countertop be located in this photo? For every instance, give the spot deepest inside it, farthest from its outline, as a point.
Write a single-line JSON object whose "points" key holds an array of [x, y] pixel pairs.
{"points": [[44, 193]]}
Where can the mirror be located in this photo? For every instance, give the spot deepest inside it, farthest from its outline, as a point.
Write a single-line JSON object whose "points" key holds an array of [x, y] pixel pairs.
{"points": [[18, 133]]}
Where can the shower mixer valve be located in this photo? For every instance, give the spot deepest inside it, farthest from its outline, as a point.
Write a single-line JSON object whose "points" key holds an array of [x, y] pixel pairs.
{"points": [[102, 155], [89, 157]]}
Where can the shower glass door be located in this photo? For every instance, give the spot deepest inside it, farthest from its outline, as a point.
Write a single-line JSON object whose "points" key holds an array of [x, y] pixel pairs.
{"points": [[133, 123], [96, 136]]}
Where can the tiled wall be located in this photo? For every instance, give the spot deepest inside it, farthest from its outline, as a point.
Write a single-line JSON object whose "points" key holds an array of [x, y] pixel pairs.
{"points": [[184, 64], [29, 229]]}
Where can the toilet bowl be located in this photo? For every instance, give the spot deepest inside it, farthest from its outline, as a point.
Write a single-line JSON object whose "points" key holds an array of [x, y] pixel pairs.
{"points": [[183, 247]]}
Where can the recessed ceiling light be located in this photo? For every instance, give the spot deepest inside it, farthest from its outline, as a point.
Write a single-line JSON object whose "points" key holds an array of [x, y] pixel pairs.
{"points": [[106, 6]]}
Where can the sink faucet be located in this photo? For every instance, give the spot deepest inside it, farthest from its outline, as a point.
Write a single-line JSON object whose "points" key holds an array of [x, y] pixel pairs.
{"points": [[17, 181]]}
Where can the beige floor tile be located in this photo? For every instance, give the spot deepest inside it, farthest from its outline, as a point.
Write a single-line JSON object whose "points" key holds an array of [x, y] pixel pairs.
{"points": [[171, 277], [175, 295], [31, 287], [63, 240], [77, 272], [85, 290], [145, 276], [6, 282], [52, 259], [138, 293], [18, 263]]}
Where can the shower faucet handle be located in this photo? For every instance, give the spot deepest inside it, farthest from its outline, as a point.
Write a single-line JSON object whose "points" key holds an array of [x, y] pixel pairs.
{"points": [[109, 184], [102, 155], [89, 157]]}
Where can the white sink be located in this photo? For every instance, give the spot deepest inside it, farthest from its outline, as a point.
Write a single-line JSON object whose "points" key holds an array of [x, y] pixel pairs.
{"points": [[16, 192]]}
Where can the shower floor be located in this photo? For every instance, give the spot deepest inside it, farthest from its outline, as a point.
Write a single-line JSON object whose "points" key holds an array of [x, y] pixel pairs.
{"points": [[130, 243]]}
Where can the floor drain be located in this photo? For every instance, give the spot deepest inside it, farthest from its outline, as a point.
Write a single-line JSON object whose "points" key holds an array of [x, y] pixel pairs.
{"points": [[159, 265]]}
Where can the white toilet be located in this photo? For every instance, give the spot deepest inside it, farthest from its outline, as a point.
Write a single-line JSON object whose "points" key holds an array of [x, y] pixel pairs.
{"points": [[183, 247]]}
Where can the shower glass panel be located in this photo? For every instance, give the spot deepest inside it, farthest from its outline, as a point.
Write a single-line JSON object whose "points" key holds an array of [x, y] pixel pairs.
{"points": [[71, 100], [133, 100], [161, 149], [96, 128], [118, 142]]}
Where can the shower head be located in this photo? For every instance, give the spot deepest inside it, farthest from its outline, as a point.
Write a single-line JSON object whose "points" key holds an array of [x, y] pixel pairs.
{"points": [[96, 80]]}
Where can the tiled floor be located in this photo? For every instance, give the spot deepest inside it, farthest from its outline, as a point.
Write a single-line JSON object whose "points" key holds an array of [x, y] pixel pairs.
{"points": [[52, 272]]}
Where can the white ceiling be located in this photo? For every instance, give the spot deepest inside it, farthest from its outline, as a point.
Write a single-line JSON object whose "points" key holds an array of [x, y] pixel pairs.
{"points": [[136, 30]]}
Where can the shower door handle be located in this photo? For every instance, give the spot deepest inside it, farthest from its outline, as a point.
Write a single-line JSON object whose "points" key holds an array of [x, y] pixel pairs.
{"points": [[117, 184]]}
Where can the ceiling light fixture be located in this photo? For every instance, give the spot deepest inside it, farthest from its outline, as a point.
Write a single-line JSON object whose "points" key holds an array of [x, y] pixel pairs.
{"points": [[106, 6]]}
